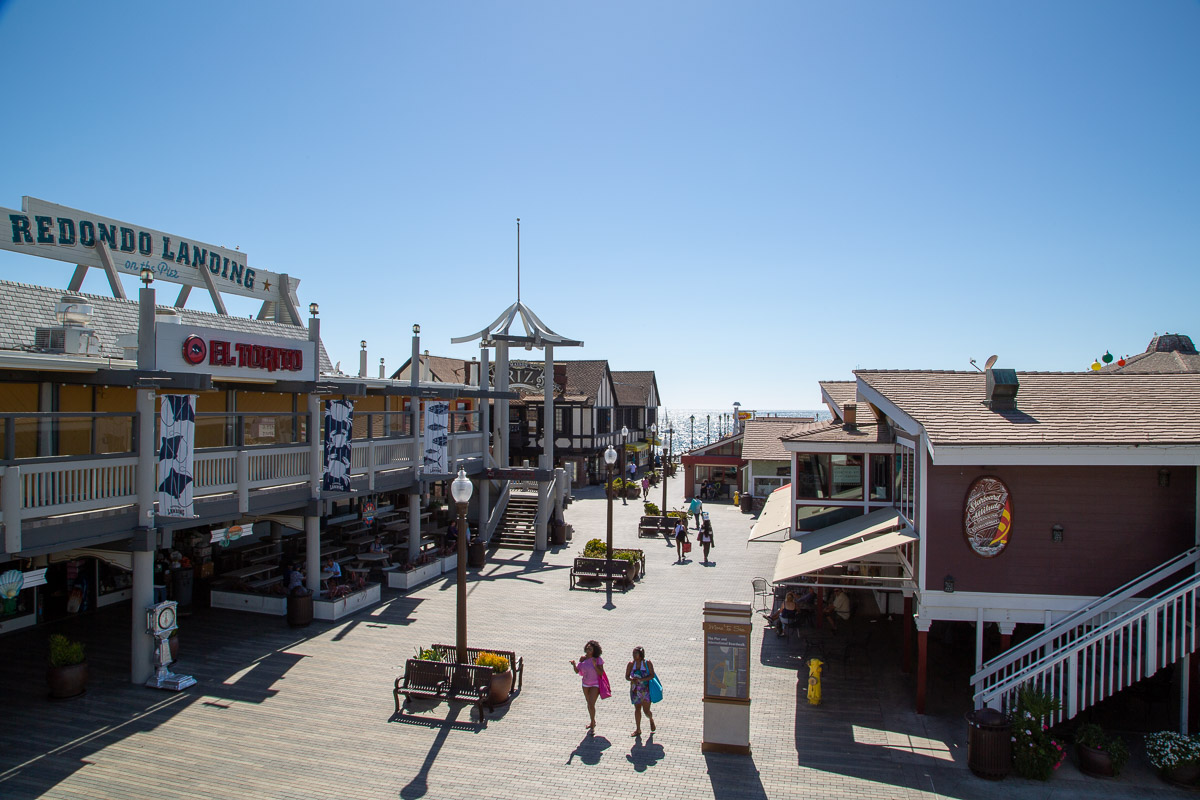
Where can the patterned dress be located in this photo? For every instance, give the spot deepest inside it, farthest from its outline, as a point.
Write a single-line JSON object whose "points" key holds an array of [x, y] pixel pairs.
{"points": [[639, 688]]}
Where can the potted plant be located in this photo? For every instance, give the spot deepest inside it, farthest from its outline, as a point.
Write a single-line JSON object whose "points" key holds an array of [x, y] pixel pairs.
{"points": [[650, 509], [68, 672], [426, 654], [1036, 753], [1176, 756], [1100, 755], [502, 677]]}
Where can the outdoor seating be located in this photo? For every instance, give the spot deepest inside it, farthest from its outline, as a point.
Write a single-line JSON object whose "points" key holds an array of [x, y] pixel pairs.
{"points": [[448, 652], [443, 680], [652, 526], [597, 568], [762, 595]]}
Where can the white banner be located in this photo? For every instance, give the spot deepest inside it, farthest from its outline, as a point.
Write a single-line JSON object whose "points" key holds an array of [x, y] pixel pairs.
{"points": [[177, 435], [339, 425], [436, 437]]}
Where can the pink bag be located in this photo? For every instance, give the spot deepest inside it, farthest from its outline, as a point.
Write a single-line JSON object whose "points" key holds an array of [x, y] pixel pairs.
{"points": [[605, 689]]}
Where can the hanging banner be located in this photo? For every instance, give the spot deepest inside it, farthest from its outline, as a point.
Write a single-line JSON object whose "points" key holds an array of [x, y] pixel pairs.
{"points": [[339, 424], [436, 437], [177, 434]]}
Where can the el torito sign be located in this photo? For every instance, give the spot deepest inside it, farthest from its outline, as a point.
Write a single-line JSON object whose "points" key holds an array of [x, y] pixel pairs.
{"points": [[231, 354]]}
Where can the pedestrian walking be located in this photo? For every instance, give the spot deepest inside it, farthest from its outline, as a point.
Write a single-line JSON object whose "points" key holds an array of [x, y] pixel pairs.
{"points": [[706, 538], [694, 508], [632, 470], [681, 539], [645, 488], [638, 672], [591, 669]]}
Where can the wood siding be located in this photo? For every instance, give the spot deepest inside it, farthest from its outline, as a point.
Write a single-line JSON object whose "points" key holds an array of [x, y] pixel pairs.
{"points": [[1117, 523]]}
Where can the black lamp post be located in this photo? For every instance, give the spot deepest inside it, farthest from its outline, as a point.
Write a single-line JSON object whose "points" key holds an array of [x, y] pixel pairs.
{"points": [[610, 458], [624, 437], [692, 432], [665, 467], [460, 490]]}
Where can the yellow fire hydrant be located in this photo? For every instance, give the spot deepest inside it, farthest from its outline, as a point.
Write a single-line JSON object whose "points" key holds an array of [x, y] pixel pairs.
{"points": [[736, 498], [814, 681]]}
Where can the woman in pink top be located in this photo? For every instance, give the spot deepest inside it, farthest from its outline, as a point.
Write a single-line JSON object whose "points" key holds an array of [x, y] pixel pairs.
{"points": [[590, 668]]}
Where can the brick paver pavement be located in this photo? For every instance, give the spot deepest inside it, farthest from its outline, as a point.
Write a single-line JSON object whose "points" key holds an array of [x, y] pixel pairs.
{"points": [[308, 714]]}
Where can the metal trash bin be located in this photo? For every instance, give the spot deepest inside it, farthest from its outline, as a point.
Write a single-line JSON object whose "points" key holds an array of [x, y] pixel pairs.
{"points": [[747, 503], [300, 609], [989, 743]]}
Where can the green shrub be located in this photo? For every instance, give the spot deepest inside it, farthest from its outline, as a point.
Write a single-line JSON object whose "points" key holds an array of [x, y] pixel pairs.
{"points": [[64, 652], [1036, 753], [650, 509], [628, 555], [1093, 736], [595, 548], [427, 654]]}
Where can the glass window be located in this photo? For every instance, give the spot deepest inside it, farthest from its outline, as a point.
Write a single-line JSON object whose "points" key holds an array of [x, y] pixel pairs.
{"points": [[812, 476], [847, 477], [812, 518], [881, 472]]}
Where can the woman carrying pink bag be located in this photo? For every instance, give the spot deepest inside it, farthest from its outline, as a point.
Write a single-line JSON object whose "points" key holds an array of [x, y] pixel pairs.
{"points": [[595, 682]]}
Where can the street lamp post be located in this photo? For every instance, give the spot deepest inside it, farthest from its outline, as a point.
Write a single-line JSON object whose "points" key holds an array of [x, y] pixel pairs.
{"points": [[610, 458], [624, 437], [650, 457], [460, 490], [708, 428], [666, 466], [692, 432]]}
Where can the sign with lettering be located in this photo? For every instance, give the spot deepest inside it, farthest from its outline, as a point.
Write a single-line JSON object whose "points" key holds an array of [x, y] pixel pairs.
{"points": [[529, 376], [987, 516], [727, 660], [223, 353], [66, 234]]}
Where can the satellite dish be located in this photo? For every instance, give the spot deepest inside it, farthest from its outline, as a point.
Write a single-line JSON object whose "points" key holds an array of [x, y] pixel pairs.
{"points": [[991, 362]]}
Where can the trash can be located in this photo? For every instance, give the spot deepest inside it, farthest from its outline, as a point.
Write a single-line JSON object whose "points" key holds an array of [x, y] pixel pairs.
{"points": [[476, 554], [747, 503], [558, 532], [182, 579], [989, 743], [300, 609]]}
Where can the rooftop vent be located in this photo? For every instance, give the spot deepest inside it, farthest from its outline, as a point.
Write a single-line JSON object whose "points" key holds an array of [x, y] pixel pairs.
{"points": [[1002, 386], [72, 309], [168, 315], [71, 312]]}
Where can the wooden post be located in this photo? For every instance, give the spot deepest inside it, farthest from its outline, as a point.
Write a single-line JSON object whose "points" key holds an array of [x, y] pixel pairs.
{"points": [[922, 659], [906, 636]]}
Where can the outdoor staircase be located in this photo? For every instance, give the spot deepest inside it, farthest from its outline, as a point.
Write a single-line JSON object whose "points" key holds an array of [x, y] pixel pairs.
{"points": [[1104, 647], [517, 527]]}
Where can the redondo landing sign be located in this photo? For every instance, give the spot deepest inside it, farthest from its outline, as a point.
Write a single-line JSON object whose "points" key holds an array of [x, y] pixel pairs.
{"points": [[67, 234]]}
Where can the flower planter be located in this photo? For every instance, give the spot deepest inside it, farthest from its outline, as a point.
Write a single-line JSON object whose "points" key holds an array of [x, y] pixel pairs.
{"points": [[1094, 762], [448, 563], [501, 687], [70, 681], [1184, 775], [414, 577]]}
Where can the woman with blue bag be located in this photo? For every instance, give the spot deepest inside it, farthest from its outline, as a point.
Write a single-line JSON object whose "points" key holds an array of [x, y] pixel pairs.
{"points": [[643, 686]]}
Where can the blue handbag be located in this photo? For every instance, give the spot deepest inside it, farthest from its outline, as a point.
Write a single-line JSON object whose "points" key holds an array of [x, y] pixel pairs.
{"points": [[655, 689]]}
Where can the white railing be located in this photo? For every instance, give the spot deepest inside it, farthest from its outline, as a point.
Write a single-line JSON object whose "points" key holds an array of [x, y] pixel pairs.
{"points": [[214, 472], [497, 512], [67, 487], [278, 466], [1110, 657], [1062, 632]]}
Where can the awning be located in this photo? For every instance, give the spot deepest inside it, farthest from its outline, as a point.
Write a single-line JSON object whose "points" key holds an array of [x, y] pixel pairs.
{"points": [[122, 559], [838, 544], [636, 447], [776, 516]]}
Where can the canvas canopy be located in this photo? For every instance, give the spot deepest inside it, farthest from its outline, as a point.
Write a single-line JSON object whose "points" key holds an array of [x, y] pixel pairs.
{"points": [[841, 543], [776, 516]]}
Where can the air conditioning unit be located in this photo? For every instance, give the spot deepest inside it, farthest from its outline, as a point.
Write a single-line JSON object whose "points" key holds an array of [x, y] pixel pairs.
{"points": [[69, 339]]}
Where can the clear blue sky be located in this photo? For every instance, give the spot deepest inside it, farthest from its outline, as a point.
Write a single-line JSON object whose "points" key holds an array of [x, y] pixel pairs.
{"points": [[745, 197]]}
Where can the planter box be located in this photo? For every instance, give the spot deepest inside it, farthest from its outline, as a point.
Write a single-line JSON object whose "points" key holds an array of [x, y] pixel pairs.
{"points": [[449, 563], [415, 577], [350, 604], [275, 605]]}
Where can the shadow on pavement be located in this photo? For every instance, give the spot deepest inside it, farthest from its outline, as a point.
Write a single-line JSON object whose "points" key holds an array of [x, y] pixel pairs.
{"points": [[645, 754], [590, 749], [735, 777]]}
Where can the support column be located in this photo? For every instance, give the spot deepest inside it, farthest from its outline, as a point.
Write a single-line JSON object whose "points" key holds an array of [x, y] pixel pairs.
{"points": [[414, 527], [502, 448], [485, 430], [145, 540], [978, 638], [548, 402], [312, 554], [906, 634], [1185, 686], [922, 661]]}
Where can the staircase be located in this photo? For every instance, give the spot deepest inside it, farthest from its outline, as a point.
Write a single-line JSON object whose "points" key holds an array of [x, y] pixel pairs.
{"points": [[517, 527], [1104, 647]]}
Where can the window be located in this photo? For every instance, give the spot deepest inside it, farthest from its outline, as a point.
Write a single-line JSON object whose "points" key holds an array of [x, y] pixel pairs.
{"points": [[812, 476], [763, 486], [812, 518], [847, 477], [880, 477], [906, 481], [603, 420]]}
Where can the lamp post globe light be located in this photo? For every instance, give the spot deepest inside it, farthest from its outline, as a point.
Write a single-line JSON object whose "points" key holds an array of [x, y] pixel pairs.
{"points": [[610, 458], [461, 490], [666, 465]]}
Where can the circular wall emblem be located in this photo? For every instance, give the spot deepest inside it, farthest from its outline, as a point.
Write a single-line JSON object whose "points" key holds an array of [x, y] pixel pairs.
{"points": [[194, 349], [987, 516]]}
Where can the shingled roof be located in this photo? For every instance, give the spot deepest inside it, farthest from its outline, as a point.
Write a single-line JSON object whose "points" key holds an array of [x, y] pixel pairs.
{"points": [[441, 369], [24, 308], [633, 388], [584, 378], [839, 393], [836, 432], [1170, 352], [1080, 408], [762, 437]]}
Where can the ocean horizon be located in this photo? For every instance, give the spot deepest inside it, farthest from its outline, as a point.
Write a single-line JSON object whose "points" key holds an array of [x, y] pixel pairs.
{"points": [[712, 423]]}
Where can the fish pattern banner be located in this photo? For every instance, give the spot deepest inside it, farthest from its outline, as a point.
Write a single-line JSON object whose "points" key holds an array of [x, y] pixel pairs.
{"points": [[339, 424], [177, 435], [436, 437]]}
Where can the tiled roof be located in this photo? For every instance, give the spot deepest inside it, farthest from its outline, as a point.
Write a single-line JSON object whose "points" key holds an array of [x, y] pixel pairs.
{"points": [[834, 432], [1079, 408], [842, 392], [584, 378], [1170, 352], [441, 369], [24, 308], [762, 434], [633, 388]]}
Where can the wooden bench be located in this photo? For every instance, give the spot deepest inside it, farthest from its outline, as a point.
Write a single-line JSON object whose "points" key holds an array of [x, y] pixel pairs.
{"points": [[441, 680], [448, 652], [597, 568], [653, 526]]}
